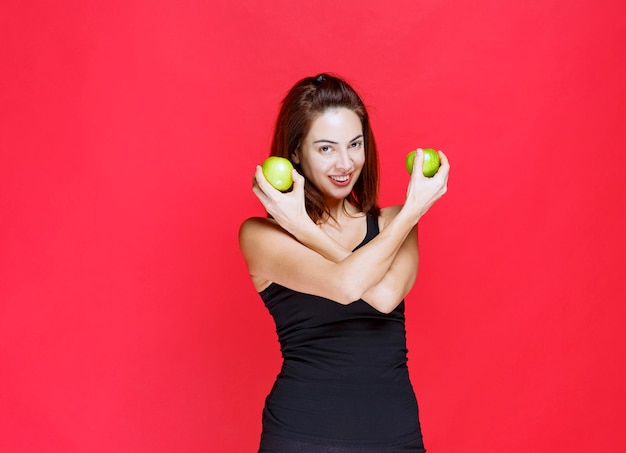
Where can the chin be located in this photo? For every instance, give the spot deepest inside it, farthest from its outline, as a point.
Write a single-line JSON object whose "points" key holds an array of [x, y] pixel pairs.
{"points": [[340, 193]]}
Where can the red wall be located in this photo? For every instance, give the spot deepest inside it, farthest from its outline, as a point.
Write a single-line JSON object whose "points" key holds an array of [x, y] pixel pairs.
{"points": [[129, 131]]}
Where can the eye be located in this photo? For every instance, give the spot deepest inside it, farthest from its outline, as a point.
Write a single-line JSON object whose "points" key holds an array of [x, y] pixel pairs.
{"points": [[325, 149], [356, 145]]}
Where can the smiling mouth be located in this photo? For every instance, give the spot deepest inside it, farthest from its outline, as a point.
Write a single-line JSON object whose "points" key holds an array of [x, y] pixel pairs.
{"points": [[341, 179]]}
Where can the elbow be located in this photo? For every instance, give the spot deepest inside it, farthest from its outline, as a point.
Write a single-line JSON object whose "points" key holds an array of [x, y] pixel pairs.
{"points": [[387, 307], [349, 295], [347, 287], [383, 300]]}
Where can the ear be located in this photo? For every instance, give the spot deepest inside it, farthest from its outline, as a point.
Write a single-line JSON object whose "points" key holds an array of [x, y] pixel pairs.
{"points": [[294, 157]]}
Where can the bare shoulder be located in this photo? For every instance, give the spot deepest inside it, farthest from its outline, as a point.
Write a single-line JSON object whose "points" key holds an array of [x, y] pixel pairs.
{"points": [[387, 215], [258, 228], [260, 241], [255, 223]]}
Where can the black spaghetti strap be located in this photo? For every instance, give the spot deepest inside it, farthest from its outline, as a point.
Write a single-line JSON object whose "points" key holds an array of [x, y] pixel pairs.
{"points": [[372, 231]]}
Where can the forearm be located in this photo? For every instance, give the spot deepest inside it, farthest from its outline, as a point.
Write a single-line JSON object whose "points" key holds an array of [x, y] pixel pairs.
{"points": [[365, 268], [315, 239], [309, 261], [386, 294]]}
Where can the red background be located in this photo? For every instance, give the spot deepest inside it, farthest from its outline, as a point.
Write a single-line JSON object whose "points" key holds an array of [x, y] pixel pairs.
{"points": [[129, 133]]}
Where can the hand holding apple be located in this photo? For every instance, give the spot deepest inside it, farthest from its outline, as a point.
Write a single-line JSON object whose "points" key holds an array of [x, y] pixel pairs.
{"points": [[424, 190], [431, 162], [288, 208], [277, 171]]}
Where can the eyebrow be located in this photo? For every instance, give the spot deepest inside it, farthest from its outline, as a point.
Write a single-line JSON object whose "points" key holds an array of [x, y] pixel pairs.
{"points": [[336, 143]]}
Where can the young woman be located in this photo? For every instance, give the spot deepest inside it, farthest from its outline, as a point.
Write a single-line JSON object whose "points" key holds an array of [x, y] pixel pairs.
{"points": [[333, 270]]}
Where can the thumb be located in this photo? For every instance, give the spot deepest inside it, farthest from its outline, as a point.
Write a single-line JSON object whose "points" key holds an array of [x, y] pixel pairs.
{"points": [[298, 180], [418, 162]]}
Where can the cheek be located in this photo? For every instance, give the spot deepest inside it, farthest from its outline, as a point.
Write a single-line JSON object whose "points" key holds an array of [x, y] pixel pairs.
{"points": [[360, 160], [309, 169]]}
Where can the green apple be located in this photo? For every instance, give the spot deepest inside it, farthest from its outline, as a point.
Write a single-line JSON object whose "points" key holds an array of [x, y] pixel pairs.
{"points": [[277, 171], [431, 162]]}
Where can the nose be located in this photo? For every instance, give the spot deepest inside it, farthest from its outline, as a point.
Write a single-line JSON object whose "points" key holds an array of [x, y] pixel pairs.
{"points": [[344, 161]]}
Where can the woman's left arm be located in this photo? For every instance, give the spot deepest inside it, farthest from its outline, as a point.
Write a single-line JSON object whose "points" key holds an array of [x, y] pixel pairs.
{"points": [[289, 211], [387, 294]]}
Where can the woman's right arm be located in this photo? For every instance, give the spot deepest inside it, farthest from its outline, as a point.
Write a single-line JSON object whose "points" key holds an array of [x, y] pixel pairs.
{"points": [[275, 256], [293, 260]]}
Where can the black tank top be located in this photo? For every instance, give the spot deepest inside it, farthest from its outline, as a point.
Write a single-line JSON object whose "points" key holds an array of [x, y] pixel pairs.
{"points": [[344, 378]]}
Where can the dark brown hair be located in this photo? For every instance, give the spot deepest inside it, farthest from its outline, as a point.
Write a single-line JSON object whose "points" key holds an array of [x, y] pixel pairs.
{"points": [[309, 98]]}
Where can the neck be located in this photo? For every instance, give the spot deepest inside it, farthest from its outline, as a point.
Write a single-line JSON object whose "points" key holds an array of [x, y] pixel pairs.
{"points": [[339, 210]]}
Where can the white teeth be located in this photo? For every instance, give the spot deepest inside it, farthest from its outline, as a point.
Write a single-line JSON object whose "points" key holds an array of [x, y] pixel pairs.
{"points": [[340, 178]]}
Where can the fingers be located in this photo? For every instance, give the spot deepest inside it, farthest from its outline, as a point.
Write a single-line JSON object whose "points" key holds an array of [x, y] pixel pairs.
{"points": [[444, 167], [262, 182], [262, 188], [268, 194], [444, 159], [258, 191], [426, 190]]}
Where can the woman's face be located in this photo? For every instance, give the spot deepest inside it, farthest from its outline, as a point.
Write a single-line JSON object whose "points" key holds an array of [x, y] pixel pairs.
{"points": [[332, 154]]}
